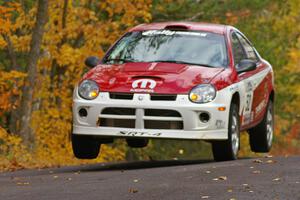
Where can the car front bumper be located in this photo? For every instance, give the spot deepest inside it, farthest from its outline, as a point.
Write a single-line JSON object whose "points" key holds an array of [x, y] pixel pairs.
{"points": [[192, 127]]}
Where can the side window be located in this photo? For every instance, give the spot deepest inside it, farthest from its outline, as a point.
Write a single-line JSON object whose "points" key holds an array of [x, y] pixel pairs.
{"points": [[248, 48], [238, 51]]}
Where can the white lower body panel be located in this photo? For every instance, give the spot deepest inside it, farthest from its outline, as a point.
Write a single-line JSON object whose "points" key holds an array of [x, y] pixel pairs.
{"points": [[220, 134], [188, 114]]}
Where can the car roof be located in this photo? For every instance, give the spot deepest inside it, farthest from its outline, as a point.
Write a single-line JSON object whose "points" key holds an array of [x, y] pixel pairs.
{"points": [[194, 26]]}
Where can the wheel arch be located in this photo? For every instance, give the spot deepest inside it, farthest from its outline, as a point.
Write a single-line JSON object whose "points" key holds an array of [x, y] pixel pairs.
{"points": [[236, 99]]}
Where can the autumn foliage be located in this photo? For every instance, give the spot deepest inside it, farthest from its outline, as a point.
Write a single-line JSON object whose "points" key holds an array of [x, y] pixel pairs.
{"points": [[78, 29], [73, 32]]}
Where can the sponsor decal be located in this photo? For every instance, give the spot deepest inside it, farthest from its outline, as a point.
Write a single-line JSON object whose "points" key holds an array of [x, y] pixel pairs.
{"points": [[248, 114], [139, 133], [169, 32], [220, 124], [248, 102], [248, 118], [112, 81], [158, 32], [260, 107], [249, 86], [143, 85], [152, 66], [233, 88]]}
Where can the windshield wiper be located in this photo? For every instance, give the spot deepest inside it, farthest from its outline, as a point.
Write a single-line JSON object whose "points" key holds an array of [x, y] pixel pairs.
{"points": [[183, 62], [119, 59]]}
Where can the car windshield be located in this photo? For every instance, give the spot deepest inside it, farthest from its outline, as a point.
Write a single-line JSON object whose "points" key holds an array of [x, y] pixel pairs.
{"points": [[195, 48]]}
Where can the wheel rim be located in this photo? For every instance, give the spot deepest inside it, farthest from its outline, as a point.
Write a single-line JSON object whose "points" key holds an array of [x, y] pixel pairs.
{"points": [[269, 125], [235, 140]]}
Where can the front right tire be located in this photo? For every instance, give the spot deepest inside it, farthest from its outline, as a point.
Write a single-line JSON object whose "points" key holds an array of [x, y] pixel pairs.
{"points": [[137, 142], [85, 147]]}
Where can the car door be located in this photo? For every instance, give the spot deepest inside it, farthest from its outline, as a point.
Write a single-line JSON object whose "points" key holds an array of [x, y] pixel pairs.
{"points": [[251, 84]]}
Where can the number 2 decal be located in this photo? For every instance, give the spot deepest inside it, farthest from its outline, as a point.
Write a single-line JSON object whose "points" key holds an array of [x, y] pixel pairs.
{"points": [[247, 116]]}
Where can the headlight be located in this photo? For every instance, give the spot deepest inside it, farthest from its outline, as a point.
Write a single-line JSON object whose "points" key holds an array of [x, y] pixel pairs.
{"points": [[202, 93], [88, 89]]}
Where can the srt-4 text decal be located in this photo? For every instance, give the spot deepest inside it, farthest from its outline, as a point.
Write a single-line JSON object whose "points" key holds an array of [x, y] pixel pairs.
{"points": [[139, 133]]}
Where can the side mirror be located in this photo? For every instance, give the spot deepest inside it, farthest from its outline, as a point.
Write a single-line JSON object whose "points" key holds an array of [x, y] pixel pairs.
{"points": [[246, 65], [91, 61]]}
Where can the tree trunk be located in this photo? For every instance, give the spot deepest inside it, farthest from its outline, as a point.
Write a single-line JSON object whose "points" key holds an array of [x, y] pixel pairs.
{"points": [[28, 89]]}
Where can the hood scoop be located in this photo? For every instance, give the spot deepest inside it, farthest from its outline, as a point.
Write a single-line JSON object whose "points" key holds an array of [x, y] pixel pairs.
{"points": [[144, 67], [177, 27]]}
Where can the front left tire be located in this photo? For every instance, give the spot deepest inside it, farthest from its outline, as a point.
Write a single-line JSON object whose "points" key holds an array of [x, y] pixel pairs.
{"points": [[228, 149], [85, 147]]}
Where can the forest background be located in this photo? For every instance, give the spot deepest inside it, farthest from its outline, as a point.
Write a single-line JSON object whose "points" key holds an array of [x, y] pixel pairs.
{"points": [[43, 45]]}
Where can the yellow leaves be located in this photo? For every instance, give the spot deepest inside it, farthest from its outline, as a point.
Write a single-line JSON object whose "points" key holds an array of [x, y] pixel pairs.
{"points": [[13, 154], [233, 18], [68, 55], [132, 190], [9, 77], [69, 38], [21, 43], [2, 42], [10, 84], [128, 11], [291, 73], [294, 64], [10, 140], [53, 113], [294, 7], [6, 13]]}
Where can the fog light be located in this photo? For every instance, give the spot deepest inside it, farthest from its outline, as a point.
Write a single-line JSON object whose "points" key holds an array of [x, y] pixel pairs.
{"points": [[83, 112], [204, 117]]}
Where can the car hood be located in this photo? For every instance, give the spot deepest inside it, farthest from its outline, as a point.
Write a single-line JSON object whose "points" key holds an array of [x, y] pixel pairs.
{"points": [[161, 78]]}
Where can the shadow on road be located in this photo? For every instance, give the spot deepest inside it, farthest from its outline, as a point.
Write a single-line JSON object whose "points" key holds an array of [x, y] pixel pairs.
{"points": [[111, 166], [140, 164], [107, 166], [143, 164]]}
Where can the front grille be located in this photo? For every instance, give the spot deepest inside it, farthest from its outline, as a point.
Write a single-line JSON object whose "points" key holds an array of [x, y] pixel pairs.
{"points": [[153, 97], [118, 111], [162, 113], [121, 123], [151, 124], [126, 96], [158, 97], [143, 118]]}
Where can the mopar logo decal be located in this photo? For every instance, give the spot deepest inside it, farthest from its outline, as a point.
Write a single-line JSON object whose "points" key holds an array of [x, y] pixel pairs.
{"points": [[143, 85]]}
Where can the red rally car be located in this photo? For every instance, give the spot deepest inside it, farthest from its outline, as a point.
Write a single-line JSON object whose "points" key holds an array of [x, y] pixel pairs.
{"points": [[176, 80]]}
